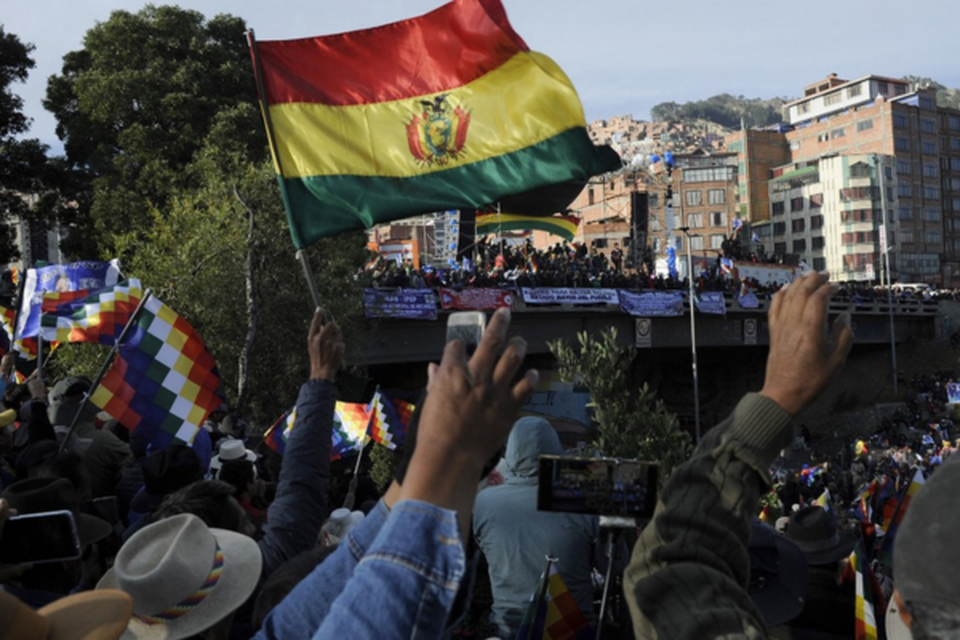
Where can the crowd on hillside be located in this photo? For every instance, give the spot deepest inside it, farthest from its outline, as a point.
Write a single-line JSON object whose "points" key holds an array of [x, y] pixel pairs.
{"points": [[221, 538]]}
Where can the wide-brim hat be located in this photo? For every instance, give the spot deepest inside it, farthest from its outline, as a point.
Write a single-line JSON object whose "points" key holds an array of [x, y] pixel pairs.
{"points": [[814, 530], [100, 615], [37, 495], [778, 575], [184, 577], [231, 449], [896, 628]]}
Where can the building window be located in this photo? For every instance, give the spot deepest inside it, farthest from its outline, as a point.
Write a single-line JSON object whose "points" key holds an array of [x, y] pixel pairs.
{"points": [[954, 123], [794, 145], [780, 248], [906, 213], [929, 147], [816, 200], [716, 241], [930, 169], [954, 144], [833, 98], [927, 104], [854, 91], [696, 243], [718, 219], [903, 167], [590, 196], [837, 133], [796, 204], [803, 107], [883, 88], [900, 121], [816, 243], [860, 170], [931, 193], [906, 236], [901, 143], [716, 196], [823, 137], [905, 190], [798, 225], [816, 222], [654, 201], [776, 208], [819, 264], [928, 125], [931, 214], [779, 228], [693, 198], [799, 246], [933, 236], [695, 220], [864, 125]]}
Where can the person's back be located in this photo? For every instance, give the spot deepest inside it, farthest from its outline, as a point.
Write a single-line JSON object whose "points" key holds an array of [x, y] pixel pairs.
{"points": [[516, 538]]}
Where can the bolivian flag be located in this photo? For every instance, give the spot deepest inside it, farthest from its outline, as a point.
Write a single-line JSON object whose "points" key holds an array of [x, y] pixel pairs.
{"points": [[563, 226], [449, 110]]}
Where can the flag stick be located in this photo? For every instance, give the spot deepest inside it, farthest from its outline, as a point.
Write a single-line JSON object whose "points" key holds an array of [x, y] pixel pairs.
{"points": [[103, 369], [40, 352], [538, 601], [271, 139]]}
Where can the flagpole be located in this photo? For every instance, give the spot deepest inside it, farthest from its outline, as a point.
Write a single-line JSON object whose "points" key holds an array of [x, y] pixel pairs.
{"points": [[268, 122], [541, 594], [40, 351], [103, 369]]}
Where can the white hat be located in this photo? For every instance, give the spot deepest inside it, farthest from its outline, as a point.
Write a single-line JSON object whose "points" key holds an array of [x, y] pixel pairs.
{"points": [[183, 576], [231, 449], [896, 628]]}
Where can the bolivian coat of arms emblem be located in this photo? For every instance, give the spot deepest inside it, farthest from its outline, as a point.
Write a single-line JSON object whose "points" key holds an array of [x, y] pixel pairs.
{"points": [[438, 133]]}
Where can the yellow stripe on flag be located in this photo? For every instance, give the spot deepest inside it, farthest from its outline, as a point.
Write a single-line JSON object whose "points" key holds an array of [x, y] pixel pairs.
{"points": [[525, 101]]}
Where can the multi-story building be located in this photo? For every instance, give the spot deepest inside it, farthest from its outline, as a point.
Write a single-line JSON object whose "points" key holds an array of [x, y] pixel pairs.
{"points": [[837, 136]]}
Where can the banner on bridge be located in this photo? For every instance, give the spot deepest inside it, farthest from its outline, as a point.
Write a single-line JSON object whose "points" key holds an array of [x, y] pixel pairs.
{"points": [[569, 295], [480, 299], [651, 303], [413, 304], [712, 302]]}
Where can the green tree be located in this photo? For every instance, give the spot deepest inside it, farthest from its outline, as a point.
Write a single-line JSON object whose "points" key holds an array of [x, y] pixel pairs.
{"points": [[135, 105], [22, 162], [631, 421]]}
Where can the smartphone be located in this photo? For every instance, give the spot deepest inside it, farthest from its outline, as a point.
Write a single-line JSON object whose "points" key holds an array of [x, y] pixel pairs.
{"points": [[49, 536], [467, 326], [597, 486]]}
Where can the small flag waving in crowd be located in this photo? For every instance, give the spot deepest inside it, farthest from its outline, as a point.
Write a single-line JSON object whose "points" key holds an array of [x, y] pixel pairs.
{"points": [[163, 382], [553, 614], [351, 421], [89, 316], [7, 315], [449, 110]]}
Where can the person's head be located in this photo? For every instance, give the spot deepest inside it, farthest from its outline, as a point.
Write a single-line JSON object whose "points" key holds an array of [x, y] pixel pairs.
{"points": [[15, 395], [45, 460], [242, 476], [926, 558], [814, 530], [530, 438], [282, 581], [185, 578], [210, 500]]}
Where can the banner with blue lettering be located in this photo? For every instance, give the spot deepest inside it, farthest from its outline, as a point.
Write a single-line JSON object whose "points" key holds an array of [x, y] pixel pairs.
{"points": [[953, 392], [748, 299], [75, 276], [712, 302], [651, 303], [413, 304], [569, 295]]}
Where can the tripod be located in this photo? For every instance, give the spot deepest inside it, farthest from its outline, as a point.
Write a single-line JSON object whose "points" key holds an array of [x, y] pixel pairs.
{"points": [[614, 529]]}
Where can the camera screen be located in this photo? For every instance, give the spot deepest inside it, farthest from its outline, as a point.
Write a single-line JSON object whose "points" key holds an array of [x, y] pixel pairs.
{"points": [[39, 538], [600, 486]]}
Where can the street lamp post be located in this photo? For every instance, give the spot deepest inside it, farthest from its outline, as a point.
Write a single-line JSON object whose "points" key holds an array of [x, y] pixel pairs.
{"points": [[693, 330]]}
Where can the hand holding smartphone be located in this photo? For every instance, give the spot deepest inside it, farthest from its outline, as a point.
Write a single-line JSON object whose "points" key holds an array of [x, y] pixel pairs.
{"points": [[32, 538]]}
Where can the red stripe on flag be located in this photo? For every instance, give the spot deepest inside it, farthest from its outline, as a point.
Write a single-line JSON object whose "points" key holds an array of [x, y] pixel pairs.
{"points": [[441, 50]]}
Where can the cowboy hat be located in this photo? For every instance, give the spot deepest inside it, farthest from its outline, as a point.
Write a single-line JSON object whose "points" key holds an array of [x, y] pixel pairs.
{"points": [[184, 577], [896, 628], [231, 449], [37, 495], [778, 575], [814, 530], [92, 615]]}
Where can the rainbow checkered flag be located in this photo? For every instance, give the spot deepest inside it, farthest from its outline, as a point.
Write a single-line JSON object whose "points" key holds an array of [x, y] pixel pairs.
{"points": [[869, 595], [89, 316], [163, 382], [278, 434], [350, 423], [7, 316], [891, 526], [553, 614], [389, 420]]}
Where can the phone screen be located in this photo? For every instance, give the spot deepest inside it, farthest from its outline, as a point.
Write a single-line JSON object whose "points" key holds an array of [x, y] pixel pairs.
{"points": [[597, 486], [40, 537], [468, 327]]}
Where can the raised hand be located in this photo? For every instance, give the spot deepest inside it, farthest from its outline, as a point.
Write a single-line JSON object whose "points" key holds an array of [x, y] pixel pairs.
{"points": [[325, 346]]}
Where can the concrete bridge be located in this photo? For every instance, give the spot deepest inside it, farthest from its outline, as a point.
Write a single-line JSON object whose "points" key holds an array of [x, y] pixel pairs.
{"points": [[395, 341]]}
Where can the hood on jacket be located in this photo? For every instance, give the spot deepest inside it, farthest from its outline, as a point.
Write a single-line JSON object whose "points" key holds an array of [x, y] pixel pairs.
{"points": [[530, 438]]}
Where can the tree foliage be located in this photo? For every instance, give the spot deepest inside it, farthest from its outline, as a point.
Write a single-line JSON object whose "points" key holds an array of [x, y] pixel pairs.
{"points": [[724, 109], [631, 421], [136, 104], [946, 97]]}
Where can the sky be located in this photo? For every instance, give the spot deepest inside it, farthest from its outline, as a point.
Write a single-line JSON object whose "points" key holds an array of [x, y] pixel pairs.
{"points": [[623, 56]]}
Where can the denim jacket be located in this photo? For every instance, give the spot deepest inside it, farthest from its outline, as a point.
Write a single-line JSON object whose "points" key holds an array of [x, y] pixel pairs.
{"points": [[395, 575]]}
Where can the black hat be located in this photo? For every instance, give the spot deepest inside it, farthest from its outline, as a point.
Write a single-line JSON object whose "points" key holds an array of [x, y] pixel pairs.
{"points": [[814, 530], [165, 472], [778, 575], [37, 495]]}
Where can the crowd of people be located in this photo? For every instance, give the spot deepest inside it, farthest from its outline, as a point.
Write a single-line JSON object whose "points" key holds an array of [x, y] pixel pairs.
{"points": [[213, 540]]}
